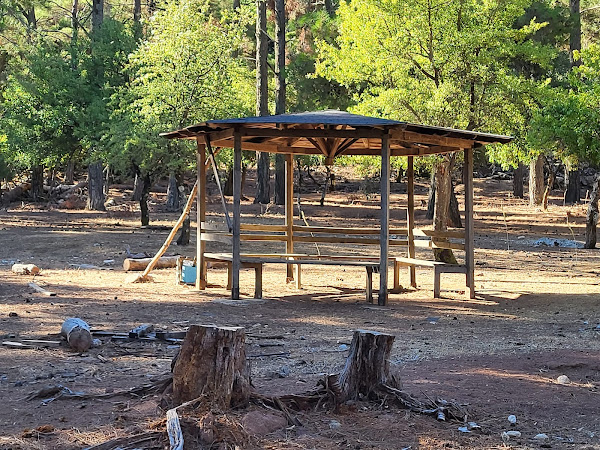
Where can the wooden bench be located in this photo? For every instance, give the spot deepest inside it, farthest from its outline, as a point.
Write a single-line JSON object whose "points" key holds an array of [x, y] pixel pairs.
{"points": [[256, 262], [438, 269]]}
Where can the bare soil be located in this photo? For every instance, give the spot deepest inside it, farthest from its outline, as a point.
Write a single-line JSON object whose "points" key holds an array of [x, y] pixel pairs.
{"points": [[535, 317]]}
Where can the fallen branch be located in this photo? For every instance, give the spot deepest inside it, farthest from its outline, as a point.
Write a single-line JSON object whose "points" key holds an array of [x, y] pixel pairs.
{"points": [[41, 290]]}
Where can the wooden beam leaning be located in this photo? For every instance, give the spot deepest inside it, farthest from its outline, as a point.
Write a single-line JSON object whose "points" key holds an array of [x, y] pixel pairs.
{"points": [[200, 214], [410, 219], [469, 230], [385, 221], [289, 212], [237, 194]]}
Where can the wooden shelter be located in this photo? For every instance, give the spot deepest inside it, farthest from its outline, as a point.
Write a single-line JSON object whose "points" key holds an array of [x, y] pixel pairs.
{"points": [[330, 133]]}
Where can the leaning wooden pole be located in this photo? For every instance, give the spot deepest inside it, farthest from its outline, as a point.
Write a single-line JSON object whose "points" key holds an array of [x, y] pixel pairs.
{"points": [[144, 276]]}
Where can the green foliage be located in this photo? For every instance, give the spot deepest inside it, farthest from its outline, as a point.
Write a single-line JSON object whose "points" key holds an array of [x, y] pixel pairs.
{"points": [[569, 120], [184, 73]]}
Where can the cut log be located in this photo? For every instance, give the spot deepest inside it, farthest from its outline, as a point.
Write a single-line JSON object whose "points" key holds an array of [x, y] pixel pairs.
{"points": [[25, 269], [65, 190], [212, 364], [367, 367], [77, 333], [16, 193], [165, 262]]}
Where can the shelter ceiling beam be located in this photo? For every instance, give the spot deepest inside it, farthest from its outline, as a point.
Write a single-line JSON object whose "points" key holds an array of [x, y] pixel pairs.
{"points": [[220, 135], [412, 138]]}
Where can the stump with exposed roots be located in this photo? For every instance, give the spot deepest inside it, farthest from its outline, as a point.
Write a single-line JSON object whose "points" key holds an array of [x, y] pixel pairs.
{"points": [[212, 365], [367, 367]]}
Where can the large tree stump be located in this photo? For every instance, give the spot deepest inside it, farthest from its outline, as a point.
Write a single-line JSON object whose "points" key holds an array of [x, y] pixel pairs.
{"points": [[367, 367], [212, 363]]}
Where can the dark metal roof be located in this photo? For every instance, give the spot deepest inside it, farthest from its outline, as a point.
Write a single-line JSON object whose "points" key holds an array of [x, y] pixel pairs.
{"points": [[327, 117], [334, 132]]}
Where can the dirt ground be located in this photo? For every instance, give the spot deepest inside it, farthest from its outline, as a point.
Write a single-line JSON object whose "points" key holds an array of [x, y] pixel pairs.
{"points": [[536, 317]]}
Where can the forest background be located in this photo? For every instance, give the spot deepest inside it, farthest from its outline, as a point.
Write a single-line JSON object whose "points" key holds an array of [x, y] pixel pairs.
{"points": [[89, 86]]}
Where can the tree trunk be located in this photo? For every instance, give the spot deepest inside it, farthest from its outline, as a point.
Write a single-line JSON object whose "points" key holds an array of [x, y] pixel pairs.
{"points": [[228, 186], [280, 89], [70, 172], [575, 34], [95, 187], [443, 185], [144, 213], [97, 14], [172, 194], [367, 366], [212, 364], [573, 182], [184, 235], [138, 187], [548, 189], [325, 185], [536, 181], [74, 34], [453, 212], [431, 196], [518, 181], [137, 19], [37, 183], [263, 191], [263, 194], [592, 217]]}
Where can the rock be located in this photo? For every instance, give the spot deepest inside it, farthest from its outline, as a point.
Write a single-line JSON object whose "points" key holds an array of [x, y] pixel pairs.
{"points": [[261, 423], [563, 379], [335, 425], [541, 437], [512, 419], [506, 435], [284, 372]]}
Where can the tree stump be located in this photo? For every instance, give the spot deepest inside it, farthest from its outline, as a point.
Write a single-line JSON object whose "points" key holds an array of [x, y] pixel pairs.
{"points": [[212, 363], [367, 367]]}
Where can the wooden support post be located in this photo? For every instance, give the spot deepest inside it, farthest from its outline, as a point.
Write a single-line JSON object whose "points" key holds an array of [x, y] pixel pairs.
{"points": [[384, 241], [289, 212], [237, 194], [200, 214], [410, 219], [469, 231]]}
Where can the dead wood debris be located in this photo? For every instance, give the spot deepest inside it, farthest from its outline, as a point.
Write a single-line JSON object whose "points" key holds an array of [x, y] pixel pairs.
{"points": [[151, 440], [56, 392]]}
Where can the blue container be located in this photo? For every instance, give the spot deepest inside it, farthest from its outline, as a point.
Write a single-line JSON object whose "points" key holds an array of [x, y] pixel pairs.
{"points": [[188, 274]]}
